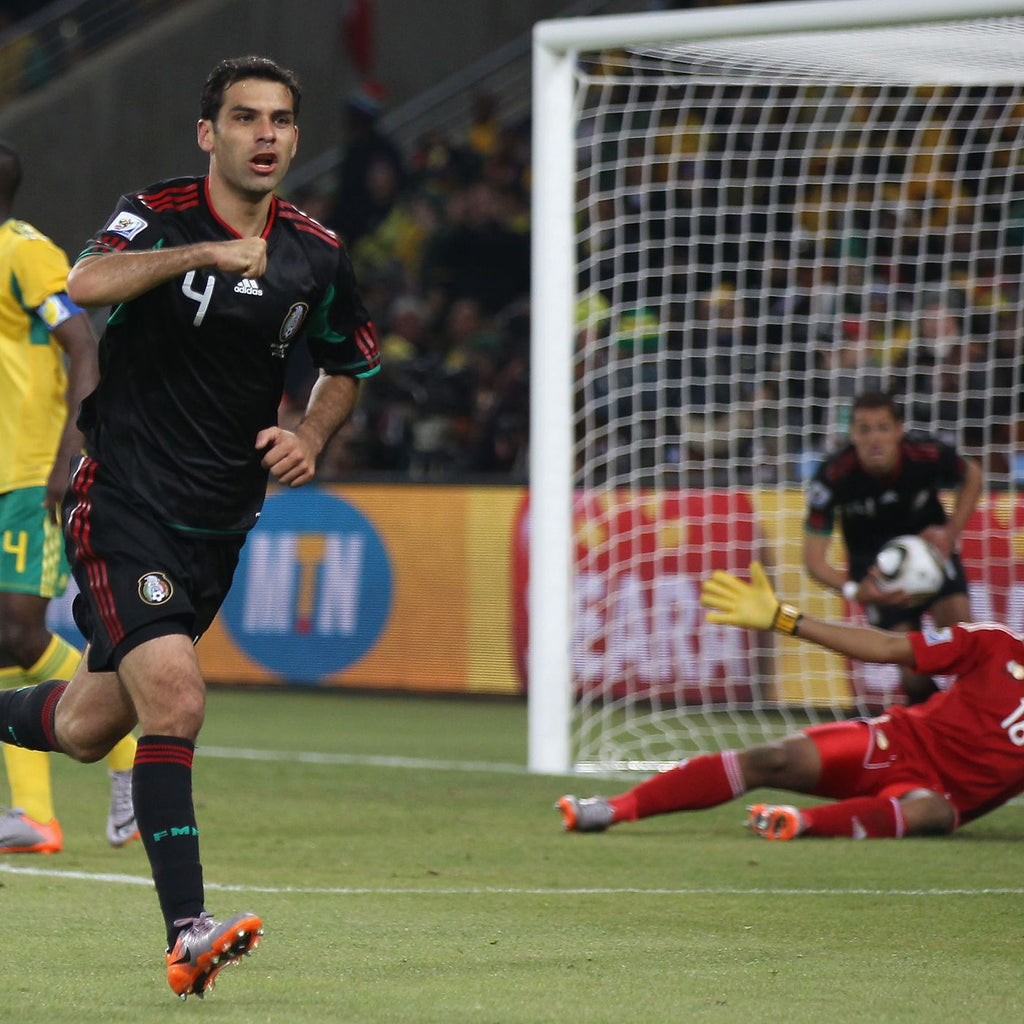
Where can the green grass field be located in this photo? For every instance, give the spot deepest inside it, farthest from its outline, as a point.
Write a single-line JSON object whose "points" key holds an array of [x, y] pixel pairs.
{"points": [[415, 873]]}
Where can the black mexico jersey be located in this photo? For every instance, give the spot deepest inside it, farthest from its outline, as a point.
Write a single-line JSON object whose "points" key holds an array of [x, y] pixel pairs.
{"points": [[192, 370], [873, 510]]}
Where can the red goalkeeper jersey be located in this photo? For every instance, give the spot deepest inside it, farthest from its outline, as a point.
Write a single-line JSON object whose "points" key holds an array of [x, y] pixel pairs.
{"points": [[973, 733]]}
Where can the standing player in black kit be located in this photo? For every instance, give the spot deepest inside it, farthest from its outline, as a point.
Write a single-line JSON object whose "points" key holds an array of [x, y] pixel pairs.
{"points": [[213, 280], [885, 483]]}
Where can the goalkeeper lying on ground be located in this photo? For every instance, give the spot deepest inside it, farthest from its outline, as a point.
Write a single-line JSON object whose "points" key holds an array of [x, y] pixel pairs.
{"points": [[920, 770]]}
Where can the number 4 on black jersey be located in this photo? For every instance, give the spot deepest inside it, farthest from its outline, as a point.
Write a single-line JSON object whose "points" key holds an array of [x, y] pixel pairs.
{"points": [[193, 369]]}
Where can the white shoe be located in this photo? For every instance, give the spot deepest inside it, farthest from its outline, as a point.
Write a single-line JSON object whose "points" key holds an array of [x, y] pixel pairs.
{"points": [[121, 825], [591, 814]]}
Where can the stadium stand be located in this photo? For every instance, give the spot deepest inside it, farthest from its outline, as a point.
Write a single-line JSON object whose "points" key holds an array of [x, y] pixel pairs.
{"points": [[37, 44]]}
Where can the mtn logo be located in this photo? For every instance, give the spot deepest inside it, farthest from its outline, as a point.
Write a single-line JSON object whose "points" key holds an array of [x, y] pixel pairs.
{"points": [[330, 576], [248, 287]]}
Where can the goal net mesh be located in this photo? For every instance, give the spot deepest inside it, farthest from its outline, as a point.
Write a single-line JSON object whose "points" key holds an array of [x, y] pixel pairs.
{"points": [[764, 228]]}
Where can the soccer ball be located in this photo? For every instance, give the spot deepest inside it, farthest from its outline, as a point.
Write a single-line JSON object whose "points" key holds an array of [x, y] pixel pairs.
{"points": [[910, 563]]}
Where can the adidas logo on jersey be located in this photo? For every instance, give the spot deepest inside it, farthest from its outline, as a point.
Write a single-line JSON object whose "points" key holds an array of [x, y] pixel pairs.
{"points": [[247, 286]]}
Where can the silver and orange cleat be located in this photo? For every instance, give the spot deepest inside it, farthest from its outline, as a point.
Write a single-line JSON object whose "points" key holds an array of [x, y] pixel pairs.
{"points": [[589, 814], [205, 946]]}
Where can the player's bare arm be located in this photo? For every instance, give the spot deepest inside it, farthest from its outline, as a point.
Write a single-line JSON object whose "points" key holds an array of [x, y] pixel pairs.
{"points": [[865, 643], [109, 278], [76, 337], [818, 566], [945, 537], [291, 455], [735, 602]]}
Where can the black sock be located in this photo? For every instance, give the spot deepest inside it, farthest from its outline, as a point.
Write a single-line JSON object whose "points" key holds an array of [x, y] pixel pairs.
{"points": [[162, 792], [27, 715]]}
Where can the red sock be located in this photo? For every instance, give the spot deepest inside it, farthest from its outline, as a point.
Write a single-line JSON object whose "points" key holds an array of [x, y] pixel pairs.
{"points": [[704, 781], [864, 817]]}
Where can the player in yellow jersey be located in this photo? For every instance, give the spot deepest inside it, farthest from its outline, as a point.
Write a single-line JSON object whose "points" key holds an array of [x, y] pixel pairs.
{"points": [[47, 366]]}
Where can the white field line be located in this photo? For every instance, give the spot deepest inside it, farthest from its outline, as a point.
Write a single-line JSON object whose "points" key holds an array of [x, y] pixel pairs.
{"points": [[419, 763], [115, 879], [309, 757]]}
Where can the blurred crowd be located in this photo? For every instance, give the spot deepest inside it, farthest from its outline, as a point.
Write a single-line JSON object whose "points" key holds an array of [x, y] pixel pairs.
{"points": [[746, 265], [440, 240], [753, 256], [36, 47], [440, 243], [748, 260]]}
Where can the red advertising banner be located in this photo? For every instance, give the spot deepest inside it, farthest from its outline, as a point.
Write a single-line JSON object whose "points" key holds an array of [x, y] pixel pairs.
{"points": [[640, 559]]}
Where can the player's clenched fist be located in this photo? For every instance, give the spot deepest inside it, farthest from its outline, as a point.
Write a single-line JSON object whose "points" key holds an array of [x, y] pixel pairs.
{"points": [[244, 256]]}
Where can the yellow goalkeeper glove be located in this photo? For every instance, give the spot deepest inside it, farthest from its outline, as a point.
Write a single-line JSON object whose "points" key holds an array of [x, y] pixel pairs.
{"points": [[752, 604]]}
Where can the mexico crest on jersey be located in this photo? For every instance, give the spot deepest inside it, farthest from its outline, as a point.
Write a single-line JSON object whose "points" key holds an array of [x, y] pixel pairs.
{"points": [[155, 588], [290, 326]]}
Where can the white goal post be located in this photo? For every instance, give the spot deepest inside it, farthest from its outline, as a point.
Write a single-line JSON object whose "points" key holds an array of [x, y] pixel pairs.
{"points": [[741, 216]]}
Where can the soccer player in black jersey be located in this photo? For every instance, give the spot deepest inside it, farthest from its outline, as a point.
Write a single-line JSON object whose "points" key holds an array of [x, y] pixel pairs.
{"points": [[212, 280], [885, 483]]}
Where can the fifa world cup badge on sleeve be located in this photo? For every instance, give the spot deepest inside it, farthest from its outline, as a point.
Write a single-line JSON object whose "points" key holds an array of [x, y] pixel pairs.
{"points": [[128, 225]]}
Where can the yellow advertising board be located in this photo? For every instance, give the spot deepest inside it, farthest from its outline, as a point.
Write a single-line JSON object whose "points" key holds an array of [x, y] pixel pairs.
{"points": [[378, 586]]}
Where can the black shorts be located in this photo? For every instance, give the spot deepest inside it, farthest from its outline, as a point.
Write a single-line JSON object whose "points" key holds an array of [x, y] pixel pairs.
{"points": [[887, 618], [138, 578]]}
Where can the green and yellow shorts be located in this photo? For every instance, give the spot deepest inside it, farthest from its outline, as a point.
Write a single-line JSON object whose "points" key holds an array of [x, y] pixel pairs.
{"points": [[32, 559]]}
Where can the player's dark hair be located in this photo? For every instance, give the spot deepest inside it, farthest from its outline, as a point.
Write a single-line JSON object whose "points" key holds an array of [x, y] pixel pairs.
{"points": [[10, 173], [235, 69], [876, 400]]}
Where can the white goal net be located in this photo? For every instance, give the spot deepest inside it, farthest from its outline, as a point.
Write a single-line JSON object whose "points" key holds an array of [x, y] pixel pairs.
{"points": [[735, 232]]}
